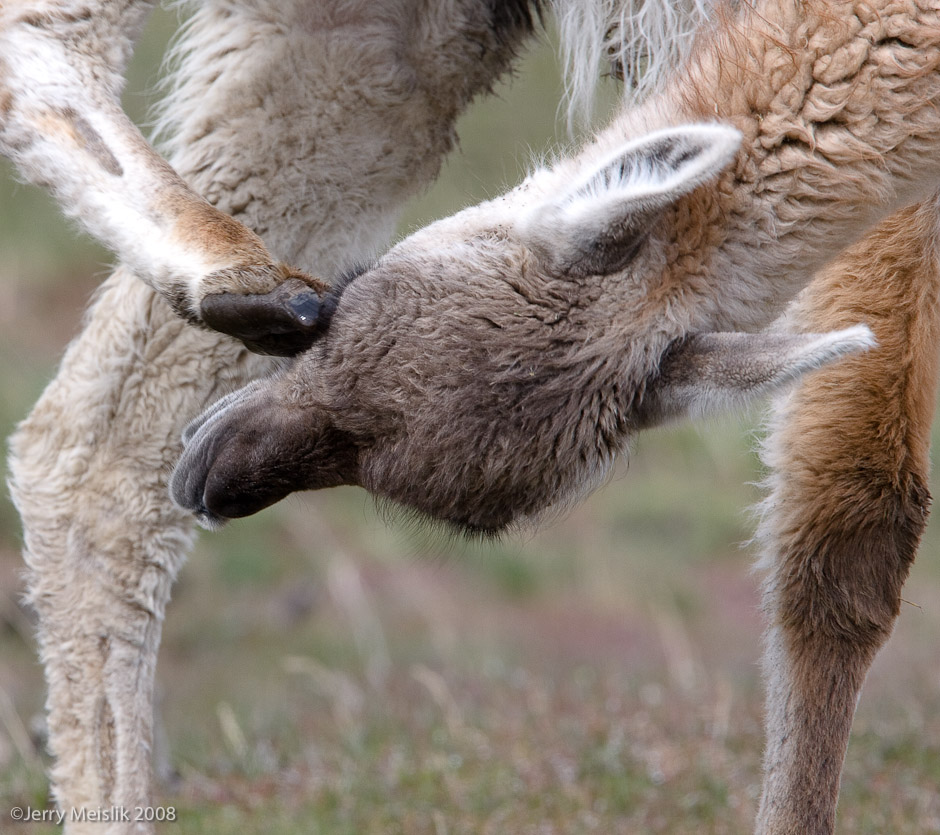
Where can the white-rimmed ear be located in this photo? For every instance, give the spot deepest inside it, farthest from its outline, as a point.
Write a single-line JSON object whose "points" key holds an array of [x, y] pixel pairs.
{"points": [[712, 372], [597, 225]]}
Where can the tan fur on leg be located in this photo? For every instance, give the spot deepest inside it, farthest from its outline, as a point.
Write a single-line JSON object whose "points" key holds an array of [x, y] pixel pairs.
{"points": [[848, 505]]}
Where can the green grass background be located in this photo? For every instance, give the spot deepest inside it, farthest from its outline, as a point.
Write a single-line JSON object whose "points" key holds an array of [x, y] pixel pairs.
{"points": [[325, 672]]}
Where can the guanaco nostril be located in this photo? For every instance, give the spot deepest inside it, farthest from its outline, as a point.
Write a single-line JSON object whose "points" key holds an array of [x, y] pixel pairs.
{"points": [[188, 489], [205, 518]]}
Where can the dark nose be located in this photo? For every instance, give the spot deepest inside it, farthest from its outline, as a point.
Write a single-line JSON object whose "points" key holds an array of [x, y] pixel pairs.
{"points": [[281, 323]]}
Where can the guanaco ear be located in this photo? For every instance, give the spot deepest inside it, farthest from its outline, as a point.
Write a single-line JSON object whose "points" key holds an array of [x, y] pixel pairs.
{"points": [[596, 226], [710, 372]]}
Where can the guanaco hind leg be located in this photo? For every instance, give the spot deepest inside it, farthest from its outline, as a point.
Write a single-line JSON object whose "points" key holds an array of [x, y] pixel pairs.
{"points": [[61, 122]]}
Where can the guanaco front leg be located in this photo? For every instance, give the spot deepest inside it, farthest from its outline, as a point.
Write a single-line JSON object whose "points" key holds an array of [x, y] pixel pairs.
{"points": [[848, 505]]}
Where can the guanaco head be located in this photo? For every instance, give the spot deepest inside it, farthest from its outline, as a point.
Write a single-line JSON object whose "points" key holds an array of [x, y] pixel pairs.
{"points": [[491, 366]]}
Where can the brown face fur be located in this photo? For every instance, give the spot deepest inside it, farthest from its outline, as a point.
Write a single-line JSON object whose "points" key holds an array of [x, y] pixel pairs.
{"points": [[470, 378], [477, 400], [506, 397], [477, 382]]}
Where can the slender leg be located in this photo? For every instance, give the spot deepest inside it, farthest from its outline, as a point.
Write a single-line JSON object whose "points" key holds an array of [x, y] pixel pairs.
{"points": [[312, 127], [61, 122], [846, 511], [102, 543]]}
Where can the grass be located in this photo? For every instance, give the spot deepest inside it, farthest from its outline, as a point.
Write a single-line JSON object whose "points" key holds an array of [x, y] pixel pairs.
{"points": [[324, 672]]}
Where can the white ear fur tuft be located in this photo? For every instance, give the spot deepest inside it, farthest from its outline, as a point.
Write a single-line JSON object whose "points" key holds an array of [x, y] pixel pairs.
{"points": [[597, 224], [656, 169]]}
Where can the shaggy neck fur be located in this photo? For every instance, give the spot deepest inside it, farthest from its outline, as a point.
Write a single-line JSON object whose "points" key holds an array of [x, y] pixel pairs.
{"points": [[837, 104]]}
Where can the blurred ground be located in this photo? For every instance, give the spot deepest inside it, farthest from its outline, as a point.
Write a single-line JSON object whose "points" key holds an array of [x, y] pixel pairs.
{"points": [[325, 672]]}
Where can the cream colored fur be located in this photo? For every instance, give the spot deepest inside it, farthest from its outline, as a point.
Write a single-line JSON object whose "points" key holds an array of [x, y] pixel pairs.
{"points": [[310, 124], [637, 42], [61, 67]]}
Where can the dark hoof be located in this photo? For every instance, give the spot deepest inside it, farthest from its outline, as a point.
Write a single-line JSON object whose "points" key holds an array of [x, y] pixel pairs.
{"points": [[281, 323]]}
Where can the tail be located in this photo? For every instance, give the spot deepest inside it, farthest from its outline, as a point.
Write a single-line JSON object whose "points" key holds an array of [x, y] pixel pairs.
{"points": [[640, 40]]}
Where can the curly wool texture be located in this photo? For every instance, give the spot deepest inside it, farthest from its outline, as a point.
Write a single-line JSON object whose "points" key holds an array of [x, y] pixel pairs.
{"points": [[726, 253], [838, 106], [292, 125]]}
